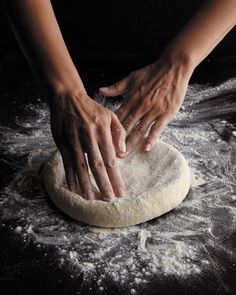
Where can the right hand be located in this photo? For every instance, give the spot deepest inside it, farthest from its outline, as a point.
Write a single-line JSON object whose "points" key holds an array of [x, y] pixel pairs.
{"points": [[80, 125]]}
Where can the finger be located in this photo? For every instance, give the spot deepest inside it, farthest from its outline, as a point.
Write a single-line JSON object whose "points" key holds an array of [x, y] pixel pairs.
{"points": [[138, 132], [134, 116], [125, 107], [79, 161], [99, 172], [155, 131], [110, 161], [118, 135], [116, 89], [82, 171], [70, 172]]}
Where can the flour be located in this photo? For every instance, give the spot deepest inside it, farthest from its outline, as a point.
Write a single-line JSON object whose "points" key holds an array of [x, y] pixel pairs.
{"points": [[155, 183], [179, 244]]}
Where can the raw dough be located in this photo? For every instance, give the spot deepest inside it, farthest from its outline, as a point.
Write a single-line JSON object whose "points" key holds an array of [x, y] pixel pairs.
{"points": [[156, 182]]}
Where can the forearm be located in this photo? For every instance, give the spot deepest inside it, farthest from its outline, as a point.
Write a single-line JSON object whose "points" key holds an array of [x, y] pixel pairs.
{"points": [[202, 33], [38, 34]]}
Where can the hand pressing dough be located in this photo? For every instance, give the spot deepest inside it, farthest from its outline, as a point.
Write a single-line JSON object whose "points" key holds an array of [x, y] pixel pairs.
{"points": [[156, 182]]}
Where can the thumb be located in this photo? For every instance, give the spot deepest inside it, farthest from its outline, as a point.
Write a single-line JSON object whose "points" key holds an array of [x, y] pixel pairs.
{"points": [[118, 136], [116, 89]]}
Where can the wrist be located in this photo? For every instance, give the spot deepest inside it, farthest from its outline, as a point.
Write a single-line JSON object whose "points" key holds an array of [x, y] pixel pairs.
{"points": [[63, 92], [65, 87], [179, 58]]}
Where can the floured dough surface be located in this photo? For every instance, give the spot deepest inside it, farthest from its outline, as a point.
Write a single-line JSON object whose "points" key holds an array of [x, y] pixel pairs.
{"points": [[156, 182]]}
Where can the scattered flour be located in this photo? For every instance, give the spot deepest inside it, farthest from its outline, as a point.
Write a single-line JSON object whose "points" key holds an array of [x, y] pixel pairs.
{"points": [[177, 244]]}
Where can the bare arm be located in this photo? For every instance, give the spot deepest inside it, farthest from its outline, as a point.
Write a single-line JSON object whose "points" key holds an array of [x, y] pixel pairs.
{"points": [[154, 94], [204, 31], [78, 123], [39, 36]]}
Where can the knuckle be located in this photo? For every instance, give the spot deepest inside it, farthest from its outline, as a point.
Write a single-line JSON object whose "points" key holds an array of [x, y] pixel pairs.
{"points": [[97, 121], [82, 165], [111, 163], [127, 123], [97, 165], [119, 131], [116, 131], [141, 128], [76, 95], [100, 124]]}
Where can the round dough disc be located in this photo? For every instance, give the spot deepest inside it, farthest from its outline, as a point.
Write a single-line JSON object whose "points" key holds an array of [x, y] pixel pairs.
{"points": [[156, 182]]}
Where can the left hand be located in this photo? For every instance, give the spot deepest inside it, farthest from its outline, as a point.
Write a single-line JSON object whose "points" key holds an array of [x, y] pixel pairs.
{"points": [[152, 97]]}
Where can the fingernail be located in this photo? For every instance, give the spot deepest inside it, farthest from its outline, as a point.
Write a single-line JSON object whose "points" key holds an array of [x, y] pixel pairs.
{"points": [[103, 88], [120, 193], [148, 147], [122, 147]]}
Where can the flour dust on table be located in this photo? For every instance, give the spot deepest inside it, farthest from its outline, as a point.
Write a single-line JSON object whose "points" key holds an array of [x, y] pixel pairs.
{"points": [[183, 243]]}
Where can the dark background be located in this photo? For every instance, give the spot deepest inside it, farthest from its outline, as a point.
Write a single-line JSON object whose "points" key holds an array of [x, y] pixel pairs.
{"points": [[119, 28], [106, 39]]}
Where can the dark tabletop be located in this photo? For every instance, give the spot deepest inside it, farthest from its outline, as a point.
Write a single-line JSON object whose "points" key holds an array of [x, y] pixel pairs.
{"points": [[191, 250]]}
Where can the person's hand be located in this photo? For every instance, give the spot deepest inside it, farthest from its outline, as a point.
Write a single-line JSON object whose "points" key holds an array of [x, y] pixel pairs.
{"points": [[80, 125], [152, 97]]}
